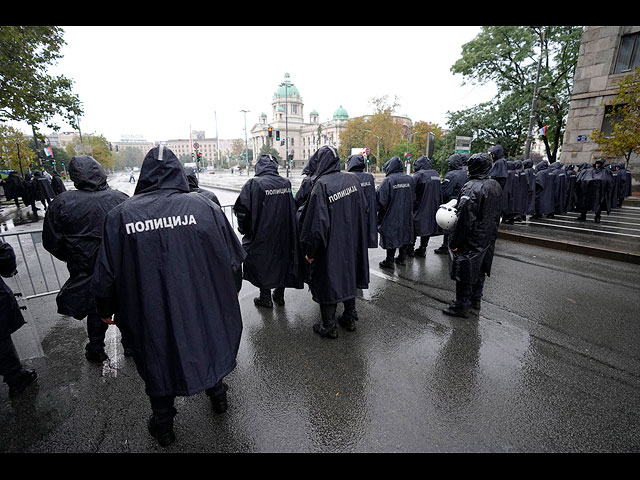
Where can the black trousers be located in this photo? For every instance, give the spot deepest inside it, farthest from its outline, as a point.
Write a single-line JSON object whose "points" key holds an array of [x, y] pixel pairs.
{"points": [[10, 365], [424, 241], [266, 292], [328, 312], [466, 292], [402, 253], [163, 407]]}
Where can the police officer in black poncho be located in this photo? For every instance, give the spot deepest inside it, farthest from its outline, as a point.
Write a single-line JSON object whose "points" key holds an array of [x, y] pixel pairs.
{"points": [[395, 196], [473, 238], [71, 232], [594, 187], [530, 175], [13, 188], [334, 241], [428, 198], [12, 371], [452, 183], [304, 190], [194, 186], [499, 168], [168, 273], [42, 189], [356, 165], [545, 191], [57, 185], [561, 187], [266, 213]]}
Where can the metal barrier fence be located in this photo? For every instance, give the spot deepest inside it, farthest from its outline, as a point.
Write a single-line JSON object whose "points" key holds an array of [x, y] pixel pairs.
{"points": [[45, 273]]}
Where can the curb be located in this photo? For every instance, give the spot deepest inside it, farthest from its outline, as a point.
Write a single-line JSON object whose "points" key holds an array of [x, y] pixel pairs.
{"points": [[575, 247]]}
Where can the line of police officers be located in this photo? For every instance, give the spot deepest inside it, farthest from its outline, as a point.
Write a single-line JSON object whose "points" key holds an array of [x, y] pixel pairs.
{"points": [[166, 267]]}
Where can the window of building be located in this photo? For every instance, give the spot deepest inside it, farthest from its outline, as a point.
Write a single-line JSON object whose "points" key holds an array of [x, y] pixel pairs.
{"points": [[611, 114], [294, 109], [629, 53]]}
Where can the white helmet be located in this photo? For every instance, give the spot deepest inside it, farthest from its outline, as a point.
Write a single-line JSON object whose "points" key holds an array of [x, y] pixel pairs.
{"points": [[446, 215]]}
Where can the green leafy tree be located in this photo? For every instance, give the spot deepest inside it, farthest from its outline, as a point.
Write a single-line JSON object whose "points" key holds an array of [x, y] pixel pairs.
{"points": [[27, 92], [624, 119], [15, 151], [508, 56], [267, 149]]}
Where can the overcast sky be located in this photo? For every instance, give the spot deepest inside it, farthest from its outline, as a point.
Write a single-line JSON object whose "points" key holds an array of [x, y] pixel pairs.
{"points": [[156, 82]]}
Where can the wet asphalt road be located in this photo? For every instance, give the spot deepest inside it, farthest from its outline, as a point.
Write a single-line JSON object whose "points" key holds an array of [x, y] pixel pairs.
{"points": [[551, 364]]}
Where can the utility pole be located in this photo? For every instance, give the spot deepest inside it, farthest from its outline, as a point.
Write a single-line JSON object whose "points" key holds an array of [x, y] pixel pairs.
{"points": [[286, 84], [527, 149], [246, 147], [217, 138]]}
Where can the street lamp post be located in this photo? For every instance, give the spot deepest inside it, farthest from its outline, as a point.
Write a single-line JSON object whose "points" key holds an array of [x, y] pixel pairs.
{"points": [[286, 84], [246, 147]]}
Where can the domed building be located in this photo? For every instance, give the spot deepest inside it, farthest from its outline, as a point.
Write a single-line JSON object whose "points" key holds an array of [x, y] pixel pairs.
{"points": [[287, 118]]}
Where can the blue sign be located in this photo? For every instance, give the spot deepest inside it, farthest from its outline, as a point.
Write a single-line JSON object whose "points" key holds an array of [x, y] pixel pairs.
{"points": [[582, 138]]}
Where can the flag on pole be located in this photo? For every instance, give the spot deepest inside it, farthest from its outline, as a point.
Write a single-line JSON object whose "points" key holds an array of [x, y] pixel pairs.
{"points": [[47, 151], [543, 131]]}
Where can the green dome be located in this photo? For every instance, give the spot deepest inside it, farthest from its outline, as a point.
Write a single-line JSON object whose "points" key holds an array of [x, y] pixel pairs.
{"points": [[263, 114], [290, 91], [313, 112], [340, 114]]}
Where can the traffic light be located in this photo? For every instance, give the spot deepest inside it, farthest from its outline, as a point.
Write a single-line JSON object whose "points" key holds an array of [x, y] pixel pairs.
{"points": [[277, 134], [270, 132]]}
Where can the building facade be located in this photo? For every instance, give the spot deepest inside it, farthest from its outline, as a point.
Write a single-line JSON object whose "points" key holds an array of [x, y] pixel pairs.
{"points": [[607, 54], [288, 122]]}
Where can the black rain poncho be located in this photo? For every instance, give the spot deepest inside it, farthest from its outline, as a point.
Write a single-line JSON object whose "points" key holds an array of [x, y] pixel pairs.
{"points": [[13, 186], [356, 165], [169, 269], [530, 175], [571, 188], [334, 232], [57, 185], [194, 186], [302, 195], [545, 199], [625, 181], [11, 318], [472, 241], [454, 179], [561, 187], [42, 187], [72, 231], [395, 197], [266, 213], [428, 198], [594, 189], [499, 168]]}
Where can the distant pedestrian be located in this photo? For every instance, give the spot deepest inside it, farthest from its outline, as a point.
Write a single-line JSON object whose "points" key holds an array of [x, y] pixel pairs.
{"points": [[132, 178], [472, 241], [266, 213], [71, 232], [395, 197], [334, 241], [14, 374], [428, 197], [168, 274]]}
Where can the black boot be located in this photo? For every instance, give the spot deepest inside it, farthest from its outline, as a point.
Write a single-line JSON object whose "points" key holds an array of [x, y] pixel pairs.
{"points": [[22, 380], [420, 252], [441, 249], [454, 309], [218, 397], [278, 296], [160, 426], [264, 300], [387, 264]]}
